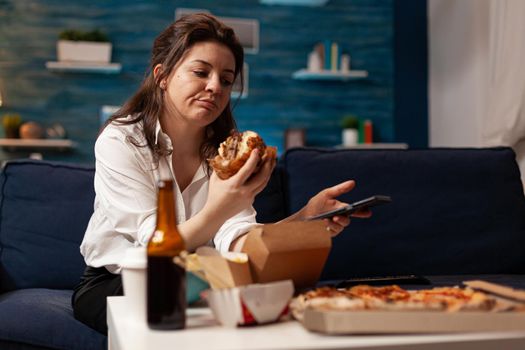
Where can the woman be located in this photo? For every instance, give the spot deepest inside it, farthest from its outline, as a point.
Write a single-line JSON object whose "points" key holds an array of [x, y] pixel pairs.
{"points": [[173, 123]]}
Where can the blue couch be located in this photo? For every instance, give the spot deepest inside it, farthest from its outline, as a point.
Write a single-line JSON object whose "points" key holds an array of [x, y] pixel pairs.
{"points": [[456, 214]]}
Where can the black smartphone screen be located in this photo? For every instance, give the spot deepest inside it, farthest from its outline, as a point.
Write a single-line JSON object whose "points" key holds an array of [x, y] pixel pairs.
{"points": [[349, 209]]}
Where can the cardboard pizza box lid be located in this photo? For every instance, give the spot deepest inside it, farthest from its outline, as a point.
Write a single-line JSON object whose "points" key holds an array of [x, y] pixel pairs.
{"points": [[392, 322], [294, 250], [497, 289]]}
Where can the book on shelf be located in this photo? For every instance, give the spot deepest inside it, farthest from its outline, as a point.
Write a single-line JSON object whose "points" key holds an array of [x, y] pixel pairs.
{"points": [[319, 50], [327, 44], [335, 62], [329, 55]]}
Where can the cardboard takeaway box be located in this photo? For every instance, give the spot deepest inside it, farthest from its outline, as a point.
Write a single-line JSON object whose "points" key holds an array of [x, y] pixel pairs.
{"points": [[255, 286], [233, 299], [382, 322], [294, 250]]}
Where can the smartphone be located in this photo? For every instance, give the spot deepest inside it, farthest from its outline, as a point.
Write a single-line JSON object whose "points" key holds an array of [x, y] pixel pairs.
{"points": [[350, 208], [384, 281]]}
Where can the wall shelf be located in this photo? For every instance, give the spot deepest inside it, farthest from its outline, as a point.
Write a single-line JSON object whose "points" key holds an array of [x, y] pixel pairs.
{"points": [[305, 74], [40, 144], [312, 3], [84, 67]]}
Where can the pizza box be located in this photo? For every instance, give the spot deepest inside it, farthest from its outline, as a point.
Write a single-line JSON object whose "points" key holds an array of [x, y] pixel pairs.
{"points": [[251, 304], [294, 250], [377, 322], [425, 321]]}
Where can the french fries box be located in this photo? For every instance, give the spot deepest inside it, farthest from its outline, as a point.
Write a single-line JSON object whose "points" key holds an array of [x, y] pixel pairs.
{"points": [[224, 270], [294, 250], [251, 304]]}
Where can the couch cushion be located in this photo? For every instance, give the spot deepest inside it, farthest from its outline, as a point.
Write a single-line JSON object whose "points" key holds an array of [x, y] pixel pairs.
{"points": [[44, 317], [454, 211], [44, 210], [269, 204]]}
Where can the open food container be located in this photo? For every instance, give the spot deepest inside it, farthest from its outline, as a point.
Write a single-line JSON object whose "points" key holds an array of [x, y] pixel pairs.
{"points": [[295, 250], [234, 299], [255, 286], [251, 304]]}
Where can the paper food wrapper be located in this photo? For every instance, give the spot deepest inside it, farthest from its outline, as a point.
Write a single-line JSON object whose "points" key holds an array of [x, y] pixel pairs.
{"points": [[252, 304]]}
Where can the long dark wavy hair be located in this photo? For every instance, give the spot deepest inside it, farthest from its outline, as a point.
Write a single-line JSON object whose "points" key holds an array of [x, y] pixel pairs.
{"points": [[147, 104]]}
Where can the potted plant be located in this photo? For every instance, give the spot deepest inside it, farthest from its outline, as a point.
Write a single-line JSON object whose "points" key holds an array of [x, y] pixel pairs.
{"points": [[350, 133], [84, 46]]}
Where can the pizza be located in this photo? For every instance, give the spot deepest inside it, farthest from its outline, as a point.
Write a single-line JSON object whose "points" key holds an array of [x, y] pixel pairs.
{"points": [[395, 298]]}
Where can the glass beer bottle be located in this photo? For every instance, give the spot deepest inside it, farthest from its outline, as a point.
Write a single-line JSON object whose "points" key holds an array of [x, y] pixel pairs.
{"points": [[166, 281]]}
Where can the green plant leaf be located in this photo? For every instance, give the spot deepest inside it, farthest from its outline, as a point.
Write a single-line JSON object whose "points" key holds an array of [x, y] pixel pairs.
{"points": [[96, 35], [350, 122]]}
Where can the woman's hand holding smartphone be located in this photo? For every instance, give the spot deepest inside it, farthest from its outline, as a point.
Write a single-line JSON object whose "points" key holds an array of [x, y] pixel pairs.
{"points": [[351, 208]]}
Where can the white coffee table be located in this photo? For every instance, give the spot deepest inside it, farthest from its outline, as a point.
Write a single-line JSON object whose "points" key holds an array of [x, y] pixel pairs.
{"points": [[126, 332]]}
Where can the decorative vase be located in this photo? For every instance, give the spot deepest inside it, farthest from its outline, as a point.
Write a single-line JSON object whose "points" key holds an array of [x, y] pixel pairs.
{"points": [[350, 137], [11, 124], [31, 130]]}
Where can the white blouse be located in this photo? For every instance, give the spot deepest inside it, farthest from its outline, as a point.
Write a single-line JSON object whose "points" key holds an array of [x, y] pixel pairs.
{"points": [[125, 204]]}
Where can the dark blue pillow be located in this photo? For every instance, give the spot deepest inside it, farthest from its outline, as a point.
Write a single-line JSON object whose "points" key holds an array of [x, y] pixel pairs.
{"points": [[44, 211], [454, 211]]}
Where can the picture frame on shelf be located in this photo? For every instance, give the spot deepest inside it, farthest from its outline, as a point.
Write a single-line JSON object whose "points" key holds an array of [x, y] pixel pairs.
{"points": [[236, 89], [294, 137], [246, 29]]}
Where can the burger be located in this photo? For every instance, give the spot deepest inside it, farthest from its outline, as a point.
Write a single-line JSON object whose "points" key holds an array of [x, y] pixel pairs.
{"points": [[236, 150]]}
